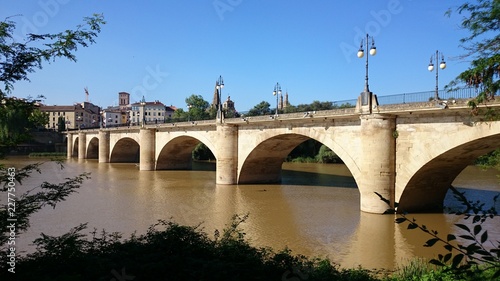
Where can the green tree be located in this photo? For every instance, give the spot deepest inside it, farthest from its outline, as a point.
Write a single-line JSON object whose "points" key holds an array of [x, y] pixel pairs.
{"points": [[17, 60], [179, 115], [202, 152], [17, 116], [262, 108], [326, 155], [482, 20], [61, 124], [197, 107]]}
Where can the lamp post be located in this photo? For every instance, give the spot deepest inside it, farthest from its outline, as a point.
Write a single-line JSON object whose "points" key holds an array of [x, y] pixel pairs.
{"points": [[219, 85], [361, 52], [189, 112], [143, 104], [78, 123], [442, 65], [276, 92]]}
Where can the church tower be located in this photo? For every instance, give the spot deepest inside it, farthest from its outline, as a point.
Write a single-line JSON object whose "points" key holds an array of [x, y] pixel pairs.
{"points": [[287, 103], [123, 99], [215, 100]]}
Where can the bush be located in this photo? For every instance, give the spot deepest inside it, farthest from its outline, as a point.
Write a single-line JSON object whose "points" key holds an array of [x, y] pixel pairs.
{"points": [[169, 251], [326, 155], [47, 154]]}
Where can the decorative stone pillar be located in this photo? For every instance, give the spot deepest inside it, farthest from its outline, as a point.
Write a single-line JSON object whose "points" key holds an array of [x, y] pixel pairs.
{"points": [[69, 145], [147, 138], [82, 142], [378, 148], [227, 154], [103, 146]]}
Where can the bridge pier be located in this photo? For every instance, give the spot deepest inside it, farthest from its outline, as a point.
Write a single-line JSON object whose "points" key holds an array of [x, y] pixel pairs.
{"points": [[69, 146], [377, 165], [147, 149], [227, 156], [104, 146], [82, 149]]}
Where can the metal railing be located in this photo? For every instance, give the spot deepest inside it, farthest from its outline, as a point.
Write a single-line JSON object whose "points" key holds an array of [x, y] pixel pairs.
{"points": [[463, 93]]}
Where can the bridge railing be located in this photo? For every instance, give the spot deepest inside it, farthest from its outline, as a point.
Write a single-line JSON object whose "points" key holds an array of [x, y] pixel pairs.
{"points": [[462, 93]]}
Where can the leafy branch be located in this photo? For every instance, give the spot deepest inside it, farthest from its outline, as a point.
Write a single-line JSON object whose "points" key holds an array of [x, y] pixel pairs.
{"points": [[460, 257]]}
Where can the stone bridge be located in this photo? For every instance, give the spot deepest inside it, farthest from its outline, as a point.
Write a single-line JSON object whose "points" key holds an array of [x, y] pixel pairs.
{"points": [[408, 153]]}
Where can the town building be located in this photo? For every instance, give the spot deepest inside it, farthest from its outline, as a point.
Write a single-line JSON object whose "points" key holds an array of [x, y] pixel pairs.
{"points": [[149, 112], [79, 115], [114, 116]]}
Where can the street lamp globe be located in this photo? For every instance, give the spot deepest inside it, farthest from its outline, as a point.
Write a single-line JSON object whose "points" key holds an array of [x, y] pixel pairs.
{"points": [[442, 65], [361, 53], [430, 67]]}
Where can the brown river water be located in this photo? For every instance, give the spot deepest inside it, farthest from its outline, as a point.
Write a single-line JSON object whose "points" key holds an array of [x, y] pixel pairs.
{"points": [[314, 211]]}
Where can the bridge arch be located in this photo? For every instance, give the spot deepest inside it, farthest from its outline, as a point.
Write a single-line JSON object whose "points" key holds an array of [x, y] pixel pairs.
{"points": [[125, 150], [176, 154], [93, 148], [427, 188], [263, 164]]}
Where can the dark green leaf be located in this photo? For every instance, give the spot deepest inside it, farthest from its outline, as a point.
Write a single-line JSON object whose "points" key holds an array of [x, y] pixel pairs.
{"points": [[436, 262], [457, 260], [450, 237], [447, 257], [400, 220], [463, 226], [467, 237], [412, 226], [484, 236], [448, 247], [477, 229], [431, 242]]}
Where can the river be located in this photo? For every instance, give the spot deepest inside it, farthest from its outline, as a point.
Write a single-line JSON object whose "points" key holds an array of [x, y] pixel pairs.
{"points": [[314, 211]]}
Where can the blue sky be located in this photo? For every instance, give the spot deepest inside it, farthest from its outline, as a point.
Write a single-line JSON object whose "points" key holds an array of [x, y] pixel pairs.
{"points": [[169, 50]]}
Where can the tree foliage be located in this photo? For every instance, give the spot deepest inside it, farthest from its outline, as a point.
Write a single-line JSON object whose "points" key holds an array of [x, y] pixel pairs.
{"points": [[169, 251], [17, 118], [474, 248], [482, 20], [263, 108], [17, 59], [197, 107]]}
